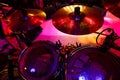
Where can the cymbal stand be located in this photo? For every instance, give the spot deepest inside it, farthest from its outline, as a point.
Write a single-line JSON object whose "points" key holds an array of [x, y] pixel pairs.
{"points": [[25, 39], [10, 65]]}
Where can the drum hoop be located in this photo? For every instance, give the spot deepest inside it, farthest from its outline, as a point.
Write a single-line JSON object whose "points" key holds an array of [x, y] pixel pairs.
{"points": [[81, 48]]}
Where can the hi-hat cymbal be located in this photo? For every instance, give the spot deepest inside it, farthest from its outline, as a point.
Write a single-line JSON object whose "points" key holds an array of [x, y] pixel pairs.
{"points": [[89, 20], [25, 20], [113, 6]]}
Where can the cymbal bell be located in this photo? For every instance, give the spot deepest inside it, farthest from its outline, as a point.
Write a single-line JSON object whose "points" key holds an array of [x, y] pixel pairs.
{"points": [[20, 21], [87, 21], [113, 6]]}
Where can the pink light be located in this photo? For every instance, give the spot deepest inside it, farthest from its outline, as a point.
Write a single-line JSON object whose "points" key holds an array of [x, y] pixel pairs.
{"points": [[107, 19]]}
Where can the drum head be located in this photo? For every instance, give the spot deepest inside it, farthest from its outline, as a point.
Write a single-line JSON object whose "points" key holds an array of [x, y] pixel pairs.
{"points": [[39, 61], [89, 63]]}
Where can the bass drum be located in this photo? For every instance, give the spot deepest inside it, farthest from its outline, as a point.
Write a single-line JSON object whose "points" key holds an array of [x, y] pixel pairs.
{"points": [[89, 63], [39, 61]]}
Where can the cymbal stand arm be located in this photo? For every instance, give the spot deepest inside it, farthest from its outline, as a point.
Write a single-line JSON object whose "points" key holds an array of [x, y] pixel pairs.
{"points": [[25, 39], [18, 41]]}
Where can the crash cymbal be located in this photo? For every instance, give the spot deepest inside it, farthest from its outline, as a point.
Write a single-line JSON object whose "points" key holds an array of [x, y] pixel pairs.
{"points": [[87, 20], [113, 6], [27, 19]]}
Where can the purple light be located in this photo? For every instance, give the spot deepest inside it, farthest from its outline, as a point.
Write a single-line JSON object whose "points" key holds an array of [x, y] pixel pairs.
{"points": [[82, 78], [99, 78], [26, 18], [32, 70]]}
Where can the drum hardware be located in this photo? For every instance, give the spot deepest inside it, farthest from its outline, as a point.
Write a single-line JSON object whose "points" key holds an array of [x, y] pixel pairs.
{"points": [[61, 67], [27, 18], [65, 51], [58, 43], [9, 56], [109, 40], [2, 35], [24, 39], [20, 37], [26, 21], [10, 67], [1, 31], [23, 26], [25, 35]]}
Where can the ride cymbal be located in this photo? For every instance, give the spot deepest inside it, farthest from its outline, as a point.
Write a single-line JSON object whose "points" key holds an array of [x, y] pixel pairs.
{"points": [[78, 19]]}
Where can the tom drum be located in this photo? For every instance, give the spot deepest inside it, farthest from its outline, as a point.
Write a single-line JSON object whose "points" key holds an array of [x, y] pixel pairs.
{"points": [[39, 61], [89, 63]]}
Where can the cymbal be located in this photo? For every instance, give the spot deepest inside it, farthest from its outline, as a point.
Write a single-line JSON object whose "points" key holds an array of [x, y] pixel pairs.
{"points": [[25, 20], [90, 19], [113, 6]]}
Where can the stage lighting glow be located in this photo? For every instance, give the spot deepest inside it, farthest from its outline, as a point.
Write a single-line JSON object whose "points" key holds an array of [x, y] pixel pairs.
{"points": [[25, 68], [99, 78], [32, 70], [82, 77]]}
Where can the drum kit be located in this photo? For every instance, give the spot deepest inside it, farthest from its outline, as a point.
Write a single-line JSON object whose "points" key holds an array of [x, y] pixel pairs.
{"points": [[45, 60]]}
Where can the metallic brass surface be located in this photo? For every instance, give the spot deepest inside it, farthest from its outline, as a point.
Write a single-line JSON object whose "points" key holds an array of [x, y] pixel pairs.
{"points": [[20, 20], [89, 20]]}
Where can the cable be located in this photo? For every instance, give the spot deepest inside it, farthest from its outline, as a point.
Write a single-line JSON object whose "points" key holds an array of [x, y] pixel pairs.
{"points": [[109, 29]]}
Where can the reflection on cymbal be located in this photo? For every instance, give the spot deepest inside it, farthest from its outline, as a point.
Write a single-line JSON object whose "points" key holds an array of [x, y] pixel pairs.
{"points": [[18, 21], [113, 6], [89, 20]]}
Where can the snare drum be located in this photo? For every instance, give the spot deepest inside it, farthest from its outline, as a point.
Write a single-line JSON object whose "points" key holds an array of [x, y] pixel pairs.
{"points": [[89, 63], [39, 61]]}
